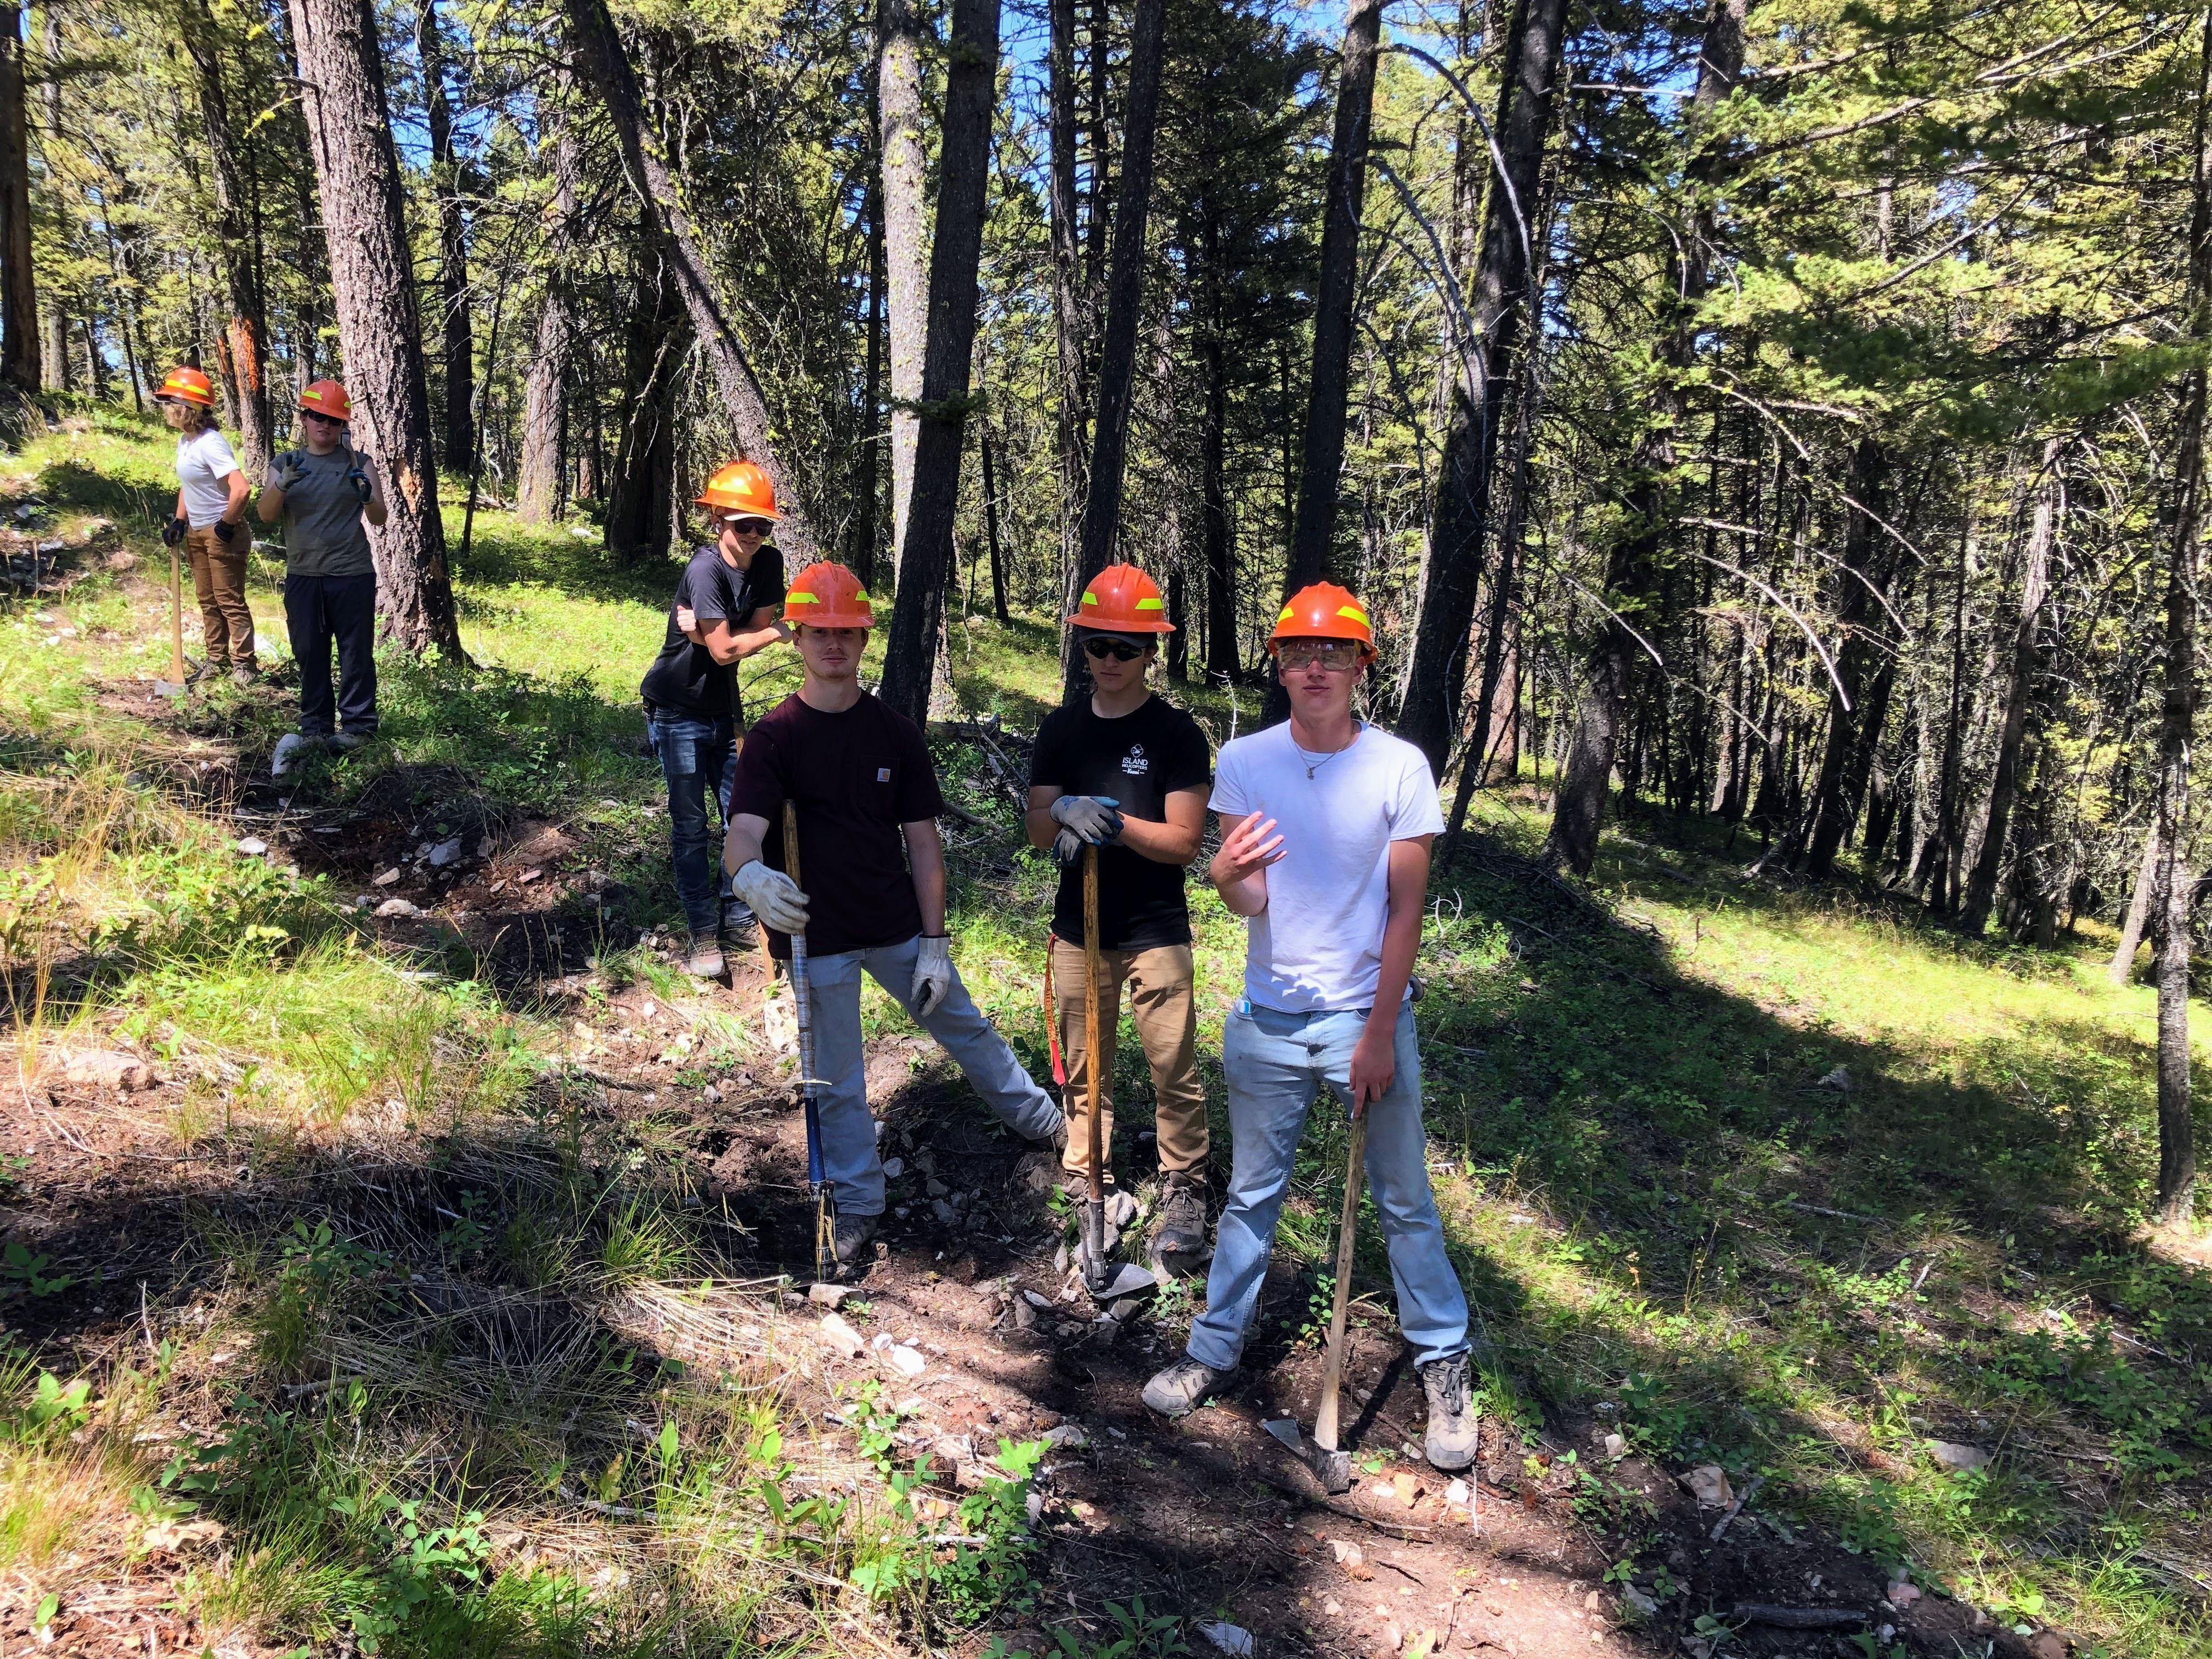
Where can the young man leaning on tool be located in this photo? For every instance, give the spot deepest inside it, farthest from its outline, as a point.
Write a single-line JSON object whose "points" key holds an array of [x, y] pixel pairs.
{"points": [[724, 611], [866, 794], [1326, 824], [1126, 772]]}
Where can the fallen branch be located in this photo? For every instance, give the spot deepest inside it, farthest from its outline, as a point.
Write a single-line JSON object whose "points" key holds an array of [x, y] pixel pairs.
{"points": [[1735, 1508]]}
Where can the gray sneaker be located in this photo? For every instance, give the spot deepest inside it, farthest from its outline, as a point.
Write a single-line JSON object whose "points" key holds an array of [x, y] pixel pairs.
{"points": [[852, 1236], [345, 741], [1181, 1229], [702, 958], [1182, 1386], [1453, 1420]]}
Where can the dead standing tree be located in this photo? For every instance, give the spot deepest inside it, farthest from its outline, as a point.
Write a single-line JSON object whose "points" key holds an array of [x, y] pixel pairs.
{"points": [[380, 327], [603, 63]]}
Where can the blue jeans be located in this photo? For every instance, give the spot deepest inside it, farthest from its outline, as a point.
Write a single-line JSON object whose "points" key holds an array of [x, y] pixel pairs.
{"points": [[1274, 1064], [848, 1128], [319, 610], [698, 757]]}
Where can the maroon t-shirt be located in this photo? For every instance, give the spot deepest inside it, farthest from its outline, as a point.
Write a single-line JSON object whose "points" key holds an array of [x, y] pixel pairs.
{"points": [[856, 777]]}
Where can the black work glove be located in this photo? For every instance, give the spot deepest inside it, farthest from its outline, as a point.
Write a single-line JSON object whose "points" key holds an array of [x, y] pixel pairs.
{"points": [[225, 531], [172, 533]]}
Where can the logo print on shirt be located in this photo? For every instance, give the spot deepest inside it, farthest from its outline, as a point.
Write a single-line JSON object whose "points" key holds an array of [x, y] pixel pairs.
{"points": [[1134, 762], [883, 774]]}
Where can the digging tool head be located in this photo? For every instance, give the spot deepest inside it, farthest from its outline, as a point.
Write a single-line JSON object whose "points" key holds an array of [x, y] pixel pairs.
{"points": [[1331, 1468], [1115, 1280]]}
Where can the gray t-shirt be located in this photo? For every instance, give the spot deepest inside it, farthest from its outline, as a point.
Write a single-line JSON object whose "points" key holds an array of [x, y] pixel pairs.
{"points": [[324, 535]]}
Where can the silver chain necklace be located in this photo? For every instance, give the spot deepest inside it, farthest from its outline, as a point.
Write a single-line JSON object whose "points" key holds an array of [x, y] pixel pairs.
{"points": [[1314, 764]]}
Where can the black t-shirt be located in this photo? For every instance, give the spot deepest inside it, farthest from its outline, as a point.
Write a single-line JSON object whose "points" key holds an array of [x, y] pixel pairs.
{"points": [[1139, 760], [685, 677], [856, 777]]}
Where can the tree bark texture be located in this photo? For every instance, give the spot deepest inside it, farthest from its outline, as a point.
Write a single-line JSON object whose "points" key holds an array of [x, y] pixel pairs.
{"points": [[2131, 930], [20, 355], [244, 342], [991, 526], [642, 486], [1314, 526], [867, 459], [1072, 413], [1451, 567], [545, 406], [2177, 1142], [380, 327], [2020, 690], [963, 177], [457, 347], [1117, 345], [667, 223], [901, 33]]}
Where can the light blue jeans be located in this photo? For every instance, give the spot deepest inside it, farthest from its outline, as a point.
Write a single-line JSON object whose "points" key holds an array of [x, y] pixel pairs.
{"points": [[848, 1128], [1275, 1063]]}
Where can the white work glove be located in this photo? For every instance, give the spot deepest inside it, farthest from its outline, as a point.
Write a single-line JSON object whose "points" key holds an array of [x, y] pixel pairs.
{"points": [[774, 897], [933, 974], [291, 471]]}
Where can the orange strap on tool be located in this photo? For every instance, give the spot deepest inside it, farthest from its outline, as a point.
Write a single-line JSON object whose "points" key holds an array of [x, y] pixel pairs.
{"points": [[1052, 1015]]}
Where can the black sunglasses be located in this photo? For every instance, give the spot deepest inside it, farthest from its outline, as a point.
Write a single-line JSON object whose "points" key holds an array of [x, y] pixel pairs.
{"points": [[1119, 650], [751, 527]]}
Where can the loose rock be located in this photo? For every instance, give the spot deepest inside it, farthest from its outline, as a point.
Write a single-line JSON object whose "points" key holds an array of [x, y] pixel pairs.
{"points": [[252, 847], [1952, 1455], [838, 1334], [1709, 1484], [397, 907], [105, 1068], [1067, 1435], [387, 879], [1232, 1639], [829, 1295], [445, 852], [1122, 1209]]}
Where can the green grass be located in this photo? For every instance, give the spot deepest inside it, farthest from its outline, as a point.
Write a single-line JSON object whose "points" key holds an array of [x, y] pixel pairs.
{"points": [[1666, 1223]]}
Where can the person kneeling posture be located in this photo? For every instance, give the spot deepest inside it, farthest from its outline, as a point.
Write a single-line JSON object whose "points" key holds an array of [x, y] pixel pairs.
{"points": [[867, 800], [1326, 825]]}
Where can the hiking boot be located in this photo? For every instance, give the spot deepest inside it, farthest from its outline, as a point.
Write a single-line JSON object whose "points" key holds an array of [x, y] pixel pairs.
{"points": [[852, 1235], [1181, 1227], [740, 927], [244, 674], [345, 741], [1182, 1386], [200, 672], [702, 958], [1453, 1420]]}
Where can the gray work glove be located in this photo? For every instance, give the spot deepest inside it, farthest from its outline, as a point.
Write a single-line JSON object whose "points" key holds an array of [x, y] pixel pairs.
{"points": [[1091, 816], [932, 975], [775, 897], [291, 471]]}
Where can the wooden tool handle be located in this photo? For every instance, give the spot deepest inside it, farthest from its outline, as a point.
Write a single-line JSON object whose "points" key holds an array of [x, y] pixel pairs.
{"points": [[1097, 1148], [1331, 1377], [790, 842], [177, 614]]}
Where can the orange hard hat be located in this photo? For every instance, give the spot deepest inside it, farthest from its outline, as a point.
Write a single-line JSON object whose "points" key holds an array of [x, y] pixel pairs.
{"points": [[741, 489], [1324, 611], [1123, 599], [827, 595], [327, 398], [188, 385]]}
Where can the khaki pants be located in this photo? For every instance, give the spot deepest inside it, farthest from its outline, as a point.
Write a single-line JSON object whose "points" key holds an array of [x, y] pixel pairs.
{"points": [[219, 584], [1163, 1004]]}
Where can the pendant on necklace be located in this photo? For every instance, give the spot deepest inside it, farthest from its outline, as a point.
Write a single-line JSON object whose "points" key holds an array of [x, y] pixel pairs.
{"points": [[1309, 771]]}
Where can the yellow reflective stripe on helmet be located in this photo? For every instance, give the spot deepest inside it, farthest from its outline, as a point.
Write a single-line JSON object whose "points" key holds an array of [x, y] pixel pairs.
{"points": [[1285, 617], [1090, 597], [1151, 604], [1354, 612], [800, 596]]}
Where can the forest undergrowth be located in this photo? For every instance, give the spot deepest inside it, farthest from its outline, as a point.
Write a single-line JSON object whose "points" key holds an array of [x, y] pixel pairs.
{"points": [[406, 1344]]}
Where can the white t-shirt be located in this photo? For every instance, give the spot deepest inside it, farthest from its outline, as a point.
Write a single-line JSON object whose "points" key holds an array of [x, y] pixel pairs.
{"points": [[203, 461], [1318, 945]]}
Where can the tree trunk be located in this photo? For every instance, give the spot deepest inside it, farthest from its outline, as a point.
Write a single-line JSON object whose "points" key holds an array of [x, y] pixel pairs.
{"points": [[1072, 420], [1451, 565], [457, 348], [1632, 573], [1117, 345], [2177, 1145], [901, 30], [642, 489], [243, 346], [668, 229], [1335, 293], [963, 176], [1224, 662], [1996, 812], [991, 527], [1835, 804], [2131, 931], [18, 298], [544, 426], [379, 328]]}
